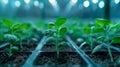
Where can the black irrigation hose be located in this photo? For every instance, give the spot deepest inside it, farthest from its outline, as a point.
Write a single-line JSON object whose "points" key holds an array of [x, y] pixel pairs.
{"points": [[86, 58], [35, 53]]}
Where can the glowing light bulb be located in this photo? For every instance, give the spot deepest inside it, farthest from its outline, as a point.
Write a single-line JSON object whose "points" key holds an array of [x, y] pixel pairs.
{"points": [[52, 1], [27, 1], [74, 1], [36, 3], [86, 3], [116, 1], [17, 3], [95, 1], [5, 1], [101, 4]]}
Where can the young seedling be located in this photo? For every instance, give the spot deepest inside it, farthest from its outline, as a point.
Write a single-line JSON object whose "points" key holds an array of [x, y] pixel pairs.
{"points": [[11, 39], [58, 31], [16, 29], [88, 30], [109, 32], [14, 34]]}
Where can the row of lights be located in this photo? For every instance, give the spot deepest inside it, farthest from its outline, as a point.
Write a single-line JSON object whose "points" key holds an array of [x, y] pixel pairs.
{"points": [[36, 3], [115, 1], [17, 3], [87, 3], [101, 3]]}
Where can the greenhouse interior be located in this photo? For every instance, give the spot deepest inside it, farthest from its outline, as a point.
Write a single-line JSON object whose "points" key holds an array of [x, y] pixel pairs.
{"points": [[59, 33]]}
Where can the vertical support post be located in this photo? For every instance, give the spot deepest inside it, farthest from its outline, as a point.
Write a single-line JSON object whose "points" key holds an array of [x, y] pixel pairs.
{"points": [[107, 9]]}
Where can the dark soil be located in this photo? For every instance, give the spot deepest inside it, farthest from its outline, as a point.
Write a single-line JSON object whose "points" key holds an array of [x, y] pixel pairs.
{"points": [[87, 48], [65, 58], [26, 48], [103, 58], [116, 45], [14, 61], [52, 48]]}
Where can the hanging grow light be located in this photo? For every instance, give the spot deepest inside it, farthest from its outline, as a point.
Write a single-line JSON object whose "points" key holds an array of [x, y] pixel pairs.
{"points": [[17, 3]]}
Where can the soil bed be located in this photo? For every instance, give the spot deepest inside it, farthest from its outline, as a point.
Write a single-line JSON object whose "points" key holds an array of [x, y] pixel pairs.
{"points": [[65, 59], [103, 58], [52, 48], [15, 60], [26, 48], [87, 48]]}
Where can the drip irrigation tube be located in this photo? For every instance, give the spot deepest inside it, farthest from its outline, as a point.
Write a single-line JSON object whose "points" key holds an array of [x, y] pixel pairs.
{"points": [[85, 57], [35, 53]]}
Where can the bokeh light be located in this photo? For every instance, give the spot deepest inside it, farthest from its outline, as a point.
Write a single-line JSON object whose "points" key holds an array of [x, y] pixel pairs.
{"points": [[5, 1], [86, 3], [17, 3], [116, 1], [101, 4], [95, 1], [27, 1], [36, 3]]}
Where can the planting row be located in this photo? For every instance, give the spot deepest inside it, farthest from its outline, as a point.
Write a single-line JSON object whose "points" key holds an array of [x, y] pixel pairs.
{"points": [[66, 42]]}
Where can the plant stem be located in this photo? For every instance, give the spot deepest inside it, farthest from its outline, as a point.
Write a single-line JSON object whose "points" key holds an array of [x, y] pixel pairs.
{"points": [[108, 43], [57, 45], [90, 38], [109, 51], [19, 36], [10, 50], [91, 42]]}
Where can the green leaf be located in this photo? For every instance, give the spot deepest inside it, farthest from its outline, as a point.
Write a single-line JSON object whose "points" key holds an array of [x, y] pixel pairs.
{"points": [[14, 49], [1, 37], [88, 41], [60, 21], [97, 48], [25, 26], [116, 39], [7, 23], [16, 26], [38, 24], [98, 30], [63, 30], [51, 25], [87, 29], [11, 38], [100, 38], [103, 22], [116, 26]]}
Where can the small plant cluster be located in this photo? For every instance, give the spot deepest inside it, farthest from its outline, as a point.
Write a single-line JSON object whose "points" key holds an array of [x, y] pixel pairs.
{"points": [[14, 33], [57, 31], [102, 32]]}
